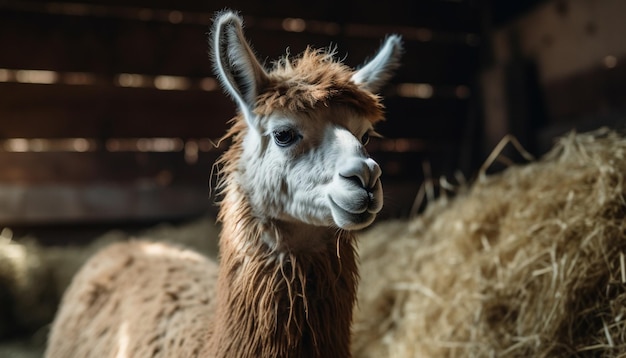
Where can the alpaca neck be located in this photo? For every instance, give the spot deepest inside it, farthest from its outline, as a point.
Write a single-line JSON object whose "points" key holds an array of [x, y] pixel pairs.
{"points": [[277, 302]]}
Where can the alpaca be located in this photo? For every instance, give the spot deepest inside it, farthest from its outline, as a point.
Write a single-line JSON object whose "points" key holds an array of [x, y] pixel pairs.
{"points": [[295, 184]]}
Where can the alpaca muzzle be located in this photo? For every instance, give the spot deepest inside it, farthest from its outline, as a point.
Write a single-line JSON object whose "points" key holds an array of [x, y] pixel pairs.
{"points": [[357, 195]]}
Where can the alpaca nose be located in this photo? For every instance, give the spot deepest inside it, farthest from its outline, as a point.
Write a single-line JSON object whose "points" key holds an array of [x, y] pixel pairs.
{"points": [[363, 172]]}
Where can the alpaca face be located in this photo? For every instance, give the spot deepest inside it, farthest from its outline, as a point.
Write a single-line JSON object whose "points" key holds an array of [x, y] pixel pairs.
{"points": [[312, 167], [303, 127]]}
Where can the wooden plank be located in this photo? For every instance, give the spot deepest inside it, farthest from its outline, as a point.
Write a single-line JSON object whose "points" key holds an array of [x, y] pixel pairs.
{"points": [[437, 63], [448, 15], [102, 45], [35, 111], [152, 169], [431, 119], [102, 202]]}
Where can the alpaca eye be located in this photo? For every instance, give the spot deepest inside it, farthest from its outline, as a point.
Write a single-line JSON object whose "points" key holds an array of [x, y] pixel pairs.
{"points": [[285, 137], [365, 139]]}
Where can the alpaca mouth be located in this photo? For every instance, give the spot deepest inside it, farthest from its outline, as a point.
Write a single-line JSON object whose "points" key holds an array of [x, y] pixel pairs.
{"points": [[351, 219]]}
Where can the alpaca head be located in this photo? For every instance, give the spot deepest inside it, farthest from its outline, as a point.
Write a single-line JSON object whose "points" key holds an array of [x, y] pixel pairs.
{"points": [[298, 153]]}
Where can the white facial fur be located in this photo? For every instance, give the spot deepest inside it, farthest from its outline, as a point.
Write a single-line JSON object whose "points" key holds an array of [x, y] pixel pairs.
{"points": [[324, 178]]}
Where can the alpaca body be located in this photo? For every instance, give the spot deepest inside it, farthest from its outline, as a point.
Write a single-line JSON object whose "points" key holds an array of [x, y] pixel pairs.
{"points": [[295, 183], [136, 299], [147, 299]]}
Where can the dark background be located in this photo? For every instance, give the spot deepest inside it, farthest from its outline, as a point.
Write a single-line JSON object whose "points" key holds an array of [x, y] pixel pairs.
{"points": [[109, 108]]}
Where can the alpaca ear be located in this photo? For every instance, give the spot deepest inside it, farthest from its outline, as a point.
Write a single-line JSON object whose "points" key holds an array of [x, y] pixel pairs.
{"points": [[236, 65], [377, 71]]}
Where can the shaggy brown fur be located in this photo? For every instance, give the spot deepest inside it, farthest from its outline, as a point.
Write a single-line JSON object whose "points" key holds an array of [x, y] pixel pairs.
{"points": [[136, 299], [292, 305], [313, 80]]}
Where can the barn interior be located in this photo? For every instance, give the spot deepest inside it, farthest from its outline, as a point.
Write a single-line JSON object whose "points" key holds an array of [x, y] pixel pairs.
{"points": [[110, 113]]}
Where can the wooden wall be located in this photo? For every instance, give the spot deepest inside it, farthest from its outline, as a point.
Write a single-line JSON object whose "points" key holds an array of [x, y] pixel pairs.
{"points": [[108, 107]]}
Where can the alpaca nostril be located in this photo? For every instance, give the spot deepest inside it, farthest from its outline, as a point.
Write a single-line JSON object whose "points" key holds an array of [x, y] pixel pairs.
{"points": [[362, 172], [357, 180], [357, 172]]}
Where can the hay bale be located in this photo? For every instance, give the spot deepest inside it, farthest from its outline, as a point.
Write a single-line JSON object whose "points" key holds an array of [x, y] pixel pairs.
{"points": [[529, 262]]}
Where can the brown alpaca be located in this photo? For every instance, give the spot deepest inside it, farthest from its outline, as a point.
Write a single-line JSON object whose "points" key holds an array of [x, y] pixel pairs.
{"points": [[296, 182]]}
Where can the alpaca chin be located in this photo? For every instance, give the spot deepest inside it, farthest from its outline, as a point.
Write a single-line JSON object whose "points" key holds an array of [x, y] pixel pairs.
{"points": [[351, 221]]}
